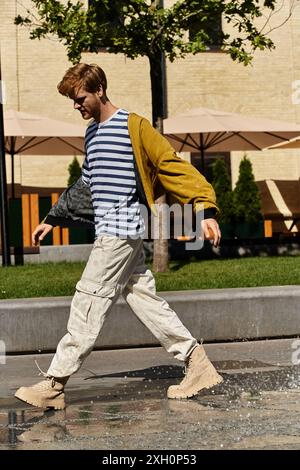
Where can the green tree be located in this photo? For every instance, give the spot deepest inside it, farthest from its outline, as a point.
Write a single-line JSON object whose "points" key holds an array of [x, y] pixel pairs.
{"points": [[222, 186], [145, 28], [74, 170], [246, 198]]}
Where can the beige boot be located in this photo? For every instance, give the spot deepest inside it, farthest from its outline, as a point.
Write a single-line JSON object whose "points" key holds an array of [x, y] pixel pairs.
{"points": [[48, 393], [200, 373]]}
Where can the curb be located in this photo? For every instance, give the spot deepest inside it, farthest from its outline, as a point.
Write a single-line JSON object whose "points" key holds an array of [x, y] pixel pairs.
{"points": [[37, 324]]}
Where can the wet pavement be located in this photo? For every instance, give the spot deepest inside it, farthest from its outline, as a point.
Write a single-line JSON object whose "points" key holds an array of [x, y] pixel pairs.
{"points": [[118, 401]]}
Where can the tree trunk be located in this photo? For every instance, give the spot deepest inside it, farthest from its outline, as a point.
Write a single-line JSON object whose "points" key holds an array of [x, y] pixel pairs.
{"points": [[160, 244], [157, 73]]}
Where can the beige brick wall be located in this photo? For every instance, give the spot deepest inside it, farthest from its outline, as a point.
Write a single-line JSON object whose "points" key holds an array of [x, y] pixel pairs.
{"points": [[32, 69]]}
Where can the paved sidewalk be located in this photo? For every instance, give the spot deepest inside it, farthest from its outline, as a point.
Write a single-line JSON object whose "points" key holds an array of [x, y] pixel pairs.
{"points": [[118, 401]]}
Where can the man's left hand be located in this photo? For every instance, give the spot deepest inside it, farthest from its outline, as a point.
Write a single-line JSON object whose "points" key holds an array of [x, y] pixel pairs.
{"points": [[211, 230]]}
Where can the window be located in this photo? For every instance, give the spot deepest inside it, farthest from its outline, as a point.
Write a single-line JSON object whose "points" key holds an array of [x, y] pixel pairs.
{"points": [[209, 158], [113, 15], [112, 18], [213, 29]]}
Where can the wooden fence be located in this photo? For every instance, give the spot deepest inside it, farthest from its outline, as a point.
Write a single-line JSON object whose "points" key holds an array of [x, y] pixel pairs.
{"points": [[30, 219]]}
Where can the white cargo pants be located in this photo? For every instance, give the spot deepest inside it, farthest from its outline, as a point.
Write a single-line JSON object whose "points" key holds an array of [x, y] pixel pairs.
{"points": [[116, 266]]}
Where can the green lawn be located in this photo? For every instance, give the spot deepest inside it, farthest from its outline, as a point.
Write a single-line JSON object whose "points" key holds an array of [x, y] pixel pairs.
{"points": [[42, 280]]}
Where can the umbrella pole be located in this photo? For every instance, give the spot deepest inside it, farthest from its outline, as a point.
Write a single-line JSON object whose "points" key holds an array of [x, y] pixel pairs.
{"points": [[202, 154], [12, 176], [3, 190], [12, 154]]}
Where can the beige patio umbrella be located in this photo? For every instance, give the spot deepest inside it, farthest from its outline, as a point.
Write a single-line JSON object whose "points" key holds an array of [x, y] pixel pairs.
{"points": [[30, 134], [209, 130], [290, 144]]}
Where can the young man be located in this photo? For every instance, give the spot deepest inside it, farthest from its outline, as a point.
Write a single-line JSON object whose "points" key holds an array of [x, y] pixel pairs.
{"points": [[127, 163]]}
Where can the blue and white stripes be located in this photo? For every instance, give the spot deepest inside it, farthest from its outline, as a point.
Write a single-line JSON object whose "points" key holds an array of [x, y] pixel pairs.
{"points": [[109, 171]]}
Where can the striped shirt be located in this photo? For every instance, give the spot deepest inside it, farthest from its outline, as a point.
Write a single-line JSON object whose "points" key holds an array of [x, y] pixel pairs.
{"points": [[109, 171]]}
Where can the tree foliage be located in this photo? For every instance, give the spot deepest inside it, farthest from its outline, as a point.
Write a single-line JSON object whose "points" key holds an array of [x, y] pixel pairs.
{"points": [[222, 186], [246, 198], [143, 28], [74, 171]]}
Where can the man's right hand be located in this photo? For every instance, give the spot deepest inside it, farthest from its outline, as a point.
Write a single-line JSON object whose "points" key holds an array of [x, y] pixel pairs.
{"points": [[40, 232]]}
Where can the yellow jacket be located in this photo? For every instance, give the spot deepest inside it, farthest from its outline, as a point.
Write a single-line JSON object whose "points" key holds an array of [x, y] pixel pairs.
{"points": [[161, 170]]}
